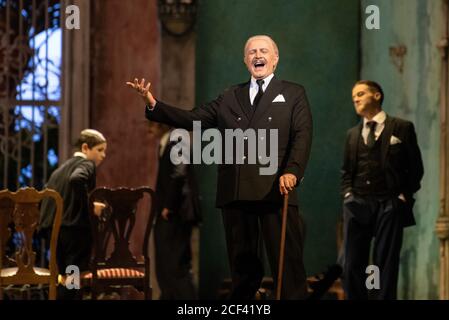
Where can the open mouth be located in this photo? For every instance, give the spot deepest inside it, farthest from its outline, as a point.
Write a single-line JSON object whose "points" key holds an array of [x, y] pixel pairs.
{"points": [[259, 64]]}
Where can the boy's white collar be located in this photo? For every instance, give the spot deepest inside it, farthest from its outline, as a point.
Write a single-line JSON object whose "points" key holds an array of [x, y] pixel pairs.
{"points": [[80, 154]]}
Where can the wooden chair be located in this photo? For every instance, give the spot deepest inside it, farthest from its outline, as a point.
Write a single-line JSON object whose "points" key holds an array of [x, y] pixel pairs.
{"points": [[19, 212], [113, 264]]}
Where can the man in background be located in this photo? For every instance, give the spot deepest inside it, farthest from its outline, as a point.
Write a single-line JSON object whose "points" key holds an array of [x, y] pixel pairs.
{"points": [[382, 170], [178, 212]]}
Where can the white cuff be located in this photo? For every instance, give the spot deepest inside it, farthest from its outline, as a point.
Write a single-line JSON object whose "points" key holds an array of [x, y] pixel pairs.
{"points": [[150, 108]]}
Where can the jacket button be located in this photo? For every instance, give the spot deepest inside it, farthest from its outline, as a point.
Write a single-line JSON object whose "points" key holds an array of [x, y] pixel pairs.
{"points": [[238, 119], [269, 118], [368, 182]]}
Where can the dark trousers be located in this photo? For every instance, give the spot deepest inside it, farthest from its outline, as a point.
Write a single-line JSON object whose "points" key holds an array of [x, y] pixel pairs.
{"points": [[174, 258], [365, 218], [74, 248], [242, 223]]}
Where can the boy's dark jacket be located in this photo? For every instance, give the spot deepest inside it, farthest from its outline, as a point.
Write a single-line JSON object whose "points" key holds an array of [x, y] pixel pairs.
{"points": [[74, 179]]}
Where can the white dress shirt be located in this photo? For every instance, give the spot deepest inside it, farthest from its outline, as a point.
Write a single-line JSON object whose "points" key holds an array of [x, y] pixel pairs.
{"points": [[380, 120], [254, 87]]}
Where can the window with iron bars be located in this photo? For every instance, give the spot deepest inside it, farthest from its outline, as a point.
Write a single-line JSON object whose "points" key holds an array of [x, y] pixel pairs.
{"points": [[30, 91]]}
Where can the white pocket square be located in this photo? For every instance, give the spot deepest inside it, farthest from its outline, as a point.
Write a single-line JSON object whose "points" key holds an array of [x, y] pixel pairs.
{"points": [[394, 140], [279, 98]]}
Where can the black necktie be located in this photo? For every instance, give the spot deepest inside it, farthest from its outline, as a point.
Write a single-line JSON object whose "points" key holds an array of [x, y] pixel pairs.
{"points": [[371, 137], [259, 93]]}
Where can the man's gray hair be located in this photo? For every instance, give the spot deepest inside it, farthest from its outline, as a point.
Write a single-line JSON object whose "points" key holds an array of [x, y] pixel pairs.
{"points": [[263, 36]]}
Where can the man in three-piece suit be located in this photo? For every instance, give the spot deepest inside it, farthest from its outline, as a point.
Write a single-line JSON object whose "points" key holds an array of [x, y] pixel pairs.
{"points": [[178, 211], [251, 202], [382, 170]]}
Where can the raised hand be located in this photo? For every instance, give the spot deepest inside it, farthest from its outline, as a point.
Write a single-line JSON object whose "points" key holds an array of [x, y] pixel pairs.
{"points": [[144, 91]]}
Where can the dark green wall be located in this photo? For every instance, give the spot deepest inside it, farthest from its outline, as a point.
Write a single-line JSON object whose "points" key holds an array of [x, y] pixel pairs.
{"points": [[319, 48]]}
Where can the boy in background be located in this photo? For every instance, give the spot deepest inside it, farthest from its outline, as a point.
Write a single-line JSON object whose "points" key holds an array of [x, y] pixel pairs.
{"points": [[73, 180]]}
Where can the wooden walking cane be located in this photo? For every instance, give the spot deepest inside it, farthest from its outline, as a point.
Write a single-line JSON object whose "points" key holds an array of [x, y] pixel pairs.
{"points": [[282, 249]]}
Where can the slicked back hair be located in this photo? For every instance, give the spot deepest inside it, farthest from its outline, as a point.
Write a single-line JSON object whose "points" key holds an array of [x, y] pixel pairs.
{"points": [[373, 86]]}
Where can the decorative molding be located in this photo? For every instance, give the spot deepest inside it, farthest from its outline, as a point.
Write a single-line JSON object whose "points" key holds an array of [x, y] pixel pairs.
{"points": [[177, 17]]}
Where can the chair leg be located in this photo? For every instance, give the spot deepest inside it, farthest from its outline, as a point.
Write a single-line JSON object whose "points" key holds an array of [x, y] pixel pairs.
{"points": [[147, 285], [52, 291], [147, 291]]}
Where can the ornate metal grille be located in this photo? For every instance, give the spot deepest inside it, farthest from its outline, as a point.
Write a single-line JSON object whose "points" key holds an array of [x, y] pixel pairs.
{"points": [[30, 91]]}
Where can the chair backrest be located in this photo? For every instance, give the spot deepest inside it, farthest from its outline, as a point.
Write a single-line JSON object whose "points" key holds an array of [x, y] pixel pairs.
{"points": [[20, 211], [6, 210], [116, 225]]}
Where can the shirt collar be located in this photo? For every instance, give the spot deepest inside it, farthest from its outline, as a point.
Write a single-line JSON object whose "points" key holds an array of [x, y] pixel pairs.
{"points": [[265, 84], [80, 154], [379, 118]]}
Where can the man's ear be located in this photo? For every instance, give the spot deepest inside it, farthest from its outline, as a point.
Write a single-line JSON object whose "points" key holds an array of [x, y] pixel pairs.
{"points": [[377, 96]]}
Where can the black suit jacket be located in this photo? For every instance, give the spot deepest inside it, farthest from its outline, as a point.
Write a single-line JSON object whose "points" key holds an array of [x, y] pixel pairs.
{"points": [[177, 188], [402, 162], [232, 110], [74, 179]]}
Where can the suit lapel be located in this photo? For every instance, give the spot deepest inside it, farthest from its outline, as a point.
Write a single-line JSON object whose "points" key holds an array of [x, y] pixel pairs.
{"points": [[387, 133], [273, 89], [242, 96]]}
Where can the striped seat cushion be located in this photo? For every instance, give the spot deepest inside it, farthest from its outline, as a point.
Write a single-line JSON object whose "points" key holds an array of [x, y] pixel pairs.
{"points": [[115, 273]]}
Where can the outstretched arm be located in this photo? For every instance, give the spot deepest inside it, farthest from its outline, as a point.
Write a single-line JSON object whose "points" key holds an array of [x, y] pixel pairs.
{"points": [[173, 116]]}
